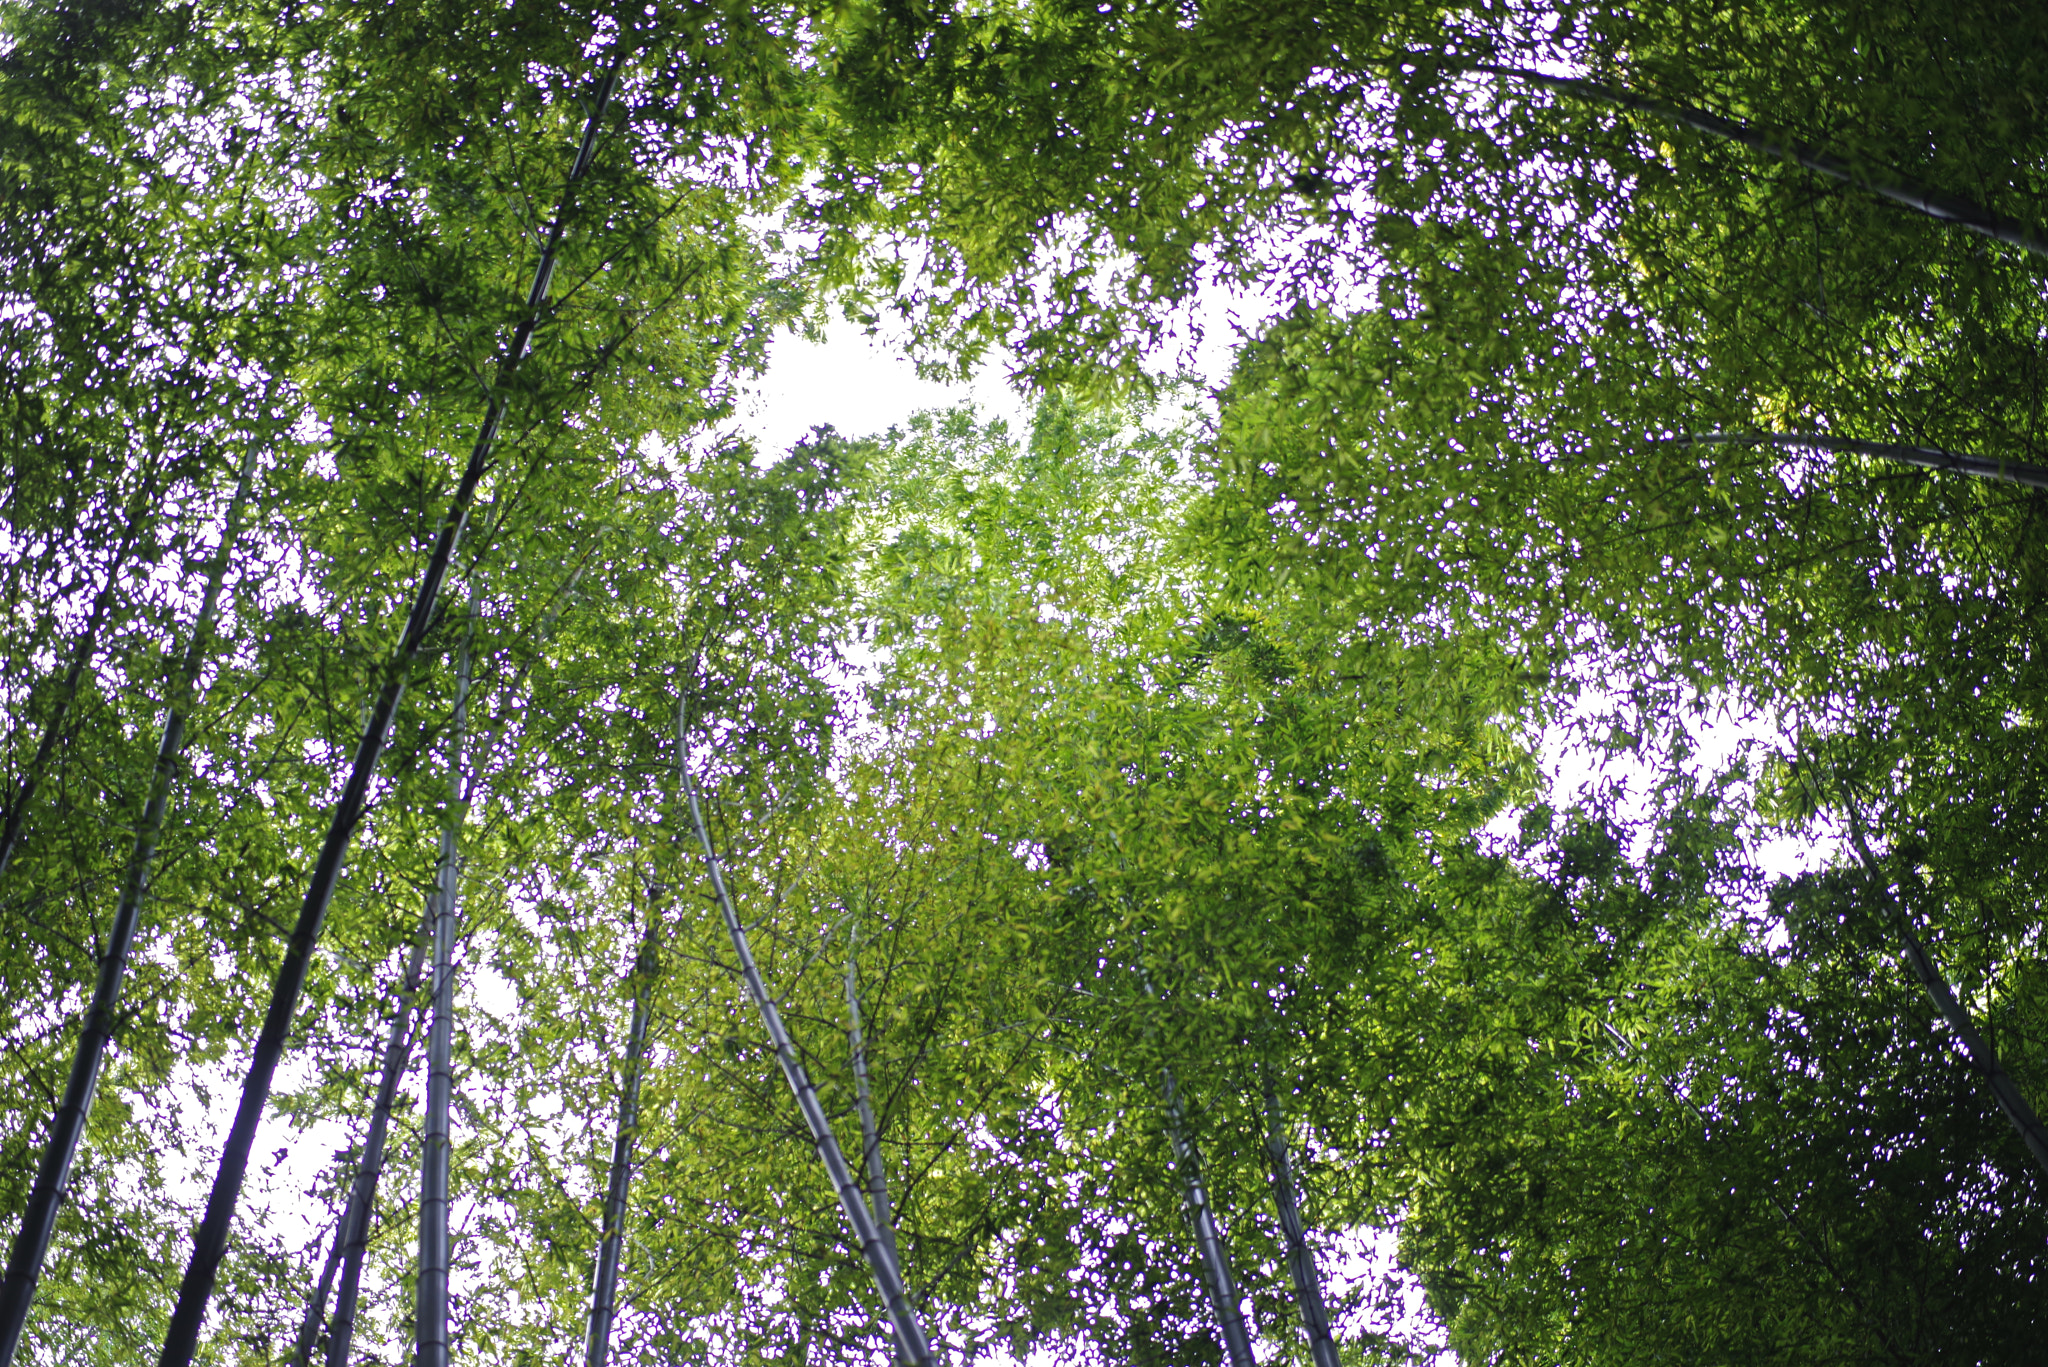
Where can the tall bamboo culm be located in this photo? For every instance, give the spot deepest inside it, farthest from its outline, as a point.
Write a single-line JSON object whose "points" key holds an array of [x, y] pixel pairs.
{"points": [[431, 1308], [210, 1241], [911, 1343], [1222, 1286], [67, 1127], [1301, 1261], [604, 1284]]}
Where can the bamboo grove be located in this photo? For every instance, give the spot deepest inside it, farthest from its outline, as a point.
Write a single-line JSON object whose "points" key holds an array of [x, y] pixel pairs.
{"points": [[494, 868]]}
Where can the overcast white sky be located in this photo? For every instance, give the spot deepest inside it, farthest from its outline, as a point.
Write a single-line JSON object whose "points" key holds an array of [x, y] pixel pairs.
{"points": [[858, 385]]}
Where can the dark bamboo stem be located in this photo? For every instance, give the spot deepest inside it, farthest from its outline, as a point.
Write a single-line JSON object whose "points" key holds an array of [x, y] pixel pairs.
{"points": [[67, 1128], [611, 1249], [67, 693], [353, 1239], [1877, 180], [1977, 1051], [1301, 1261], [1222, 1286], [431, 1306], [181, 1341], [1925, 457]]}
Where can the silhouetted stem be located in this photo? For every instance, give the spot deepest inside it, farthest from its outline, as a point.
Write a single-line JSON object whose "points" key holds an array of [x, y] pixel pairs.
{"points": [[1301, 1262], [210, 1242], [1876, 180], [431, 1312], [1926, 457], [67, 1128], [1187, 1161], [354, 1240]]}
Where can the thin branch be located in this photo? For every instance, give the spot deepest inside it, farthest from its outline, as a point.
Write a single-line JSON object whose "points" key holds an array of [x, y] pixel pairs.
{"points": [[1877, 180], [1926, 457]]}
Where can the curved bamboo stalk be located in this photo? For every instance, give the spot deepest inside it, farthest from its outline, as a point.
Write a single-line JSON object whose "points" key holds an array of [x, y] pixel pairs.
{"points": [[911, 1343], [1977, 1051]]}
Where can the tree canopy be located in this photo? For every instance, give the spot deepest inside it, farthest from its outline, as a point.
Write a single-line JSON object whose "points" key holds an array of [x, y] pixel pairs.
{"points": [[496, 867]]}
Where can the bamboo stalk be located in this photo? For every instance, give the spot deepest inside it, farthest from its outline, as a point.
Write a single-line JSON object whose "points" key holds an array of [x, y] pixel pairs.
{"points": [[611, 1249], [1301, 1262], [67, 693], [67, 1127], [1880, 181], [431, 1312], [1926, 457], [316, 1304], [911, 1343], [181, 1341], [871, 1136], [1977, 1051], [1222, 1286], [354, 1240]]}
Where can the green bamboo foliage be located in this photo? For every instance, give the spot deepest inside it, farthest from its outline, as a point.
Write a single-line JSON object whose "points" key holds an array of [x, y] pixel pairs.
{"points": [[1601, 365]]}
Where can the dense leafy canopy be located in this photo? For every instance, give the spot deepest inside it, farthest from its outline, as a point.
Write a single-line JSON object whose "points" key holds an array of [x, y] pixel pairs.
{"points": [[1157, 786]]}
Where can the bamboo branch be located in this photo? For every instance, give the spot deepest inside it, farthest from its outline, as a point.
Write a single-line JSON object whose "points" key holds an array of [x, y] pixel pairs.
{"points": [[1881, 181], [67, 692]]}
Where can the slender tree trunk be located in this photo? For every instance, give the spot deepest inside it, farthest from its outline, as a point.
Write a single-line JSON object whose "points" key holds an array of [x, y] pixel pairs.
{"points": [[210, 1242], [1301, 1262], [67, 693], [1187, 1161], [1876, 180], [67, 1128], [870, 1133], [431, 1315], [605, 1285], [911, 1343], [352, 1240], [1926, 457], [316, 1304]]}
